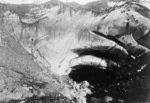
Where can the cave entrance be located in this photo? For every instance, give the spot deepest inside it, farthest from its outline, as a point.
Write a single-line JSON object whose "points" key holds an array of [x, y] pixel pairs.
{"points": [[99, 79], [111, 82]]}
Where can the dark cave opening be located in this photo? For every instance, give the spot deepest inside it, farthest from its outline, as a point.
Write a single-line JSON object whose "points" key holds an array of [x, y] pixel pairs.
{"points": [[111, 82], [92, 74], [98, 78]]}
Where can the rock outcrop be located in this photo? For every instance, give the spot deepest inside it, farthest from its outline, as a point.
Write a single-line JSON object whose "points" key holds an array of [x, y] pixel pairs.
{"points": [[41, 46]]}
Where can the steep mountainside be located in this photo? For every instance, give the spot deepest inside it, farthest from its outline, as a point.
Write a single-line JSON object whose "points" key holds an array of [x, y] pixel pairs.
{"points": [[59, 52]]}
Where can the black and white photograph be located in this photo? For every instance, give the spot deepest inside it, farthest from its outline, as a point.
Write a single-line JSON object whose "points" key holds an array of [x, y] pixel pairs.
{"points": [[74, 51]]}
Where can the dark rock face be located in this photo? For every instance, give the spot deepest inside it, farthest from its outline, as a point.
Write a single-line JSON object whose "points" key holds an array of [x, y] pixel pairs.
{"points": [[43, 46]]}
